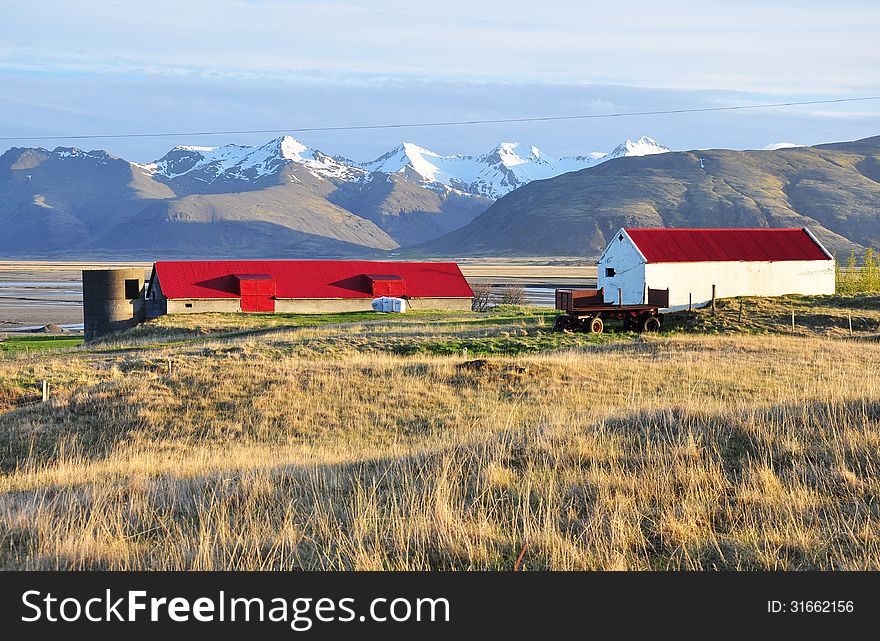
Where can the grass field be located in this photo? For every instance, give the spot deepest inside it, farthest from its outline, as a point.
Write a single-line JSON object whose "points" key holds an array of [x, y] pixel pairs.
{"points": [[25, 343], [375, 443]]}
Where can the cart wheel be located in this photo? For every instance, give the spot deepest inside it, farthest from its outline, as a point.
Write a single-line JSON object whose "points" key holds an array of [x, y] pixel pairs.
{"points": [[651, 324], [562, 323], [596, 325]]}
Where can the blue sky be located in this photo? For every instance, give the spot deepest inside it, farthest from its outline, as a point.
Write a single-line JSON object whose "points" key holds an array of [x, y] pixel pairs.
{"points": [[109, 67]]}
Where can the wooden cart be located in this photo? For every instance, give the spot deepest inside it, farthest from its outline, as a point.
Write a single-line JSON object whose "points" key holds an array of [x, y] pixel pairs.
{"points": [[586, 311]]}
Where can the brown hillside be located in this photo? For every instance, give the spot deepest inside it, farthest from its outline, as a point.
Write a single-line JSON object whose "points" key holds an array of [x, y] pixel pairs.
{"points": [[832, 189]]}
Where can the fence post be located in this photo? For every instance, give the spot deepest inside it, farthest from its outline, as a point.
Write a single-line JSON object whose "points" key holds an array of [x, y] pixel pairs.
{"points": [[713, 300], [849, 318], [45, 390], [168, 359], [740, 310], [792, 320], [690, 303], [620, 296]]}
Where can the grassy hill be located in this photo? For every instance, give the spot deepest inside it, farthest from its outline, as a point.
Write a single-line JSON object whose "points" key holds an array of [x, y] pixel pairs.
{"points": [[372, 442], [832, 189]]}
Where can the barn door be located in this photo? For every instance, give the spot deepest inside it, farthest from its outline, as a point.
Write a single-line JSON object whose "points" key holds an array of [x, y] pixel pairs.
{"points": [[259, 303], [257, 292]]}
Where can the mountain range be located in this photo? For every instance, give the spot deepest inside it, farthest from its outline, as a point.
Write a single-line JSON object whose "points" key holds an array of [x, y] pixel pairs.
{"points": [[281, 198], [834, 189], [284, 199]]}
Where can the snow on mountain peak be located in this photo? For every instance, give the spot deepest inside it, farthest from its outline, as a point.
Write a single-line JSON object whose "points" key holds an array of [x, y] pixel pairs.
{"points": [[193, 148], [781, 145], [410, 156], [412, 149], [240, 162], [644, 146], [514, 153], [506, 167], [291, 148]]}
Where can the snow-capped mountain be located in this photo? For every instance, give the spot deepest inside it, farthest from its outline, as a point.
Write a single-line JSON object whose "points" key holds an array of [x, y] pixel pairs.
{"points": [[644, 146], [237, 162], [494, 174], [491, 175], [284, 199], [508, 166]]}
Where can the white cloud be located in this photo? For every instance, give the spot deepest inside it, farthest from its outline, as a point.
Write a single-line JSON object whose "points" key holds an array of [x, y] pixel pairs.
{"points": [[746, 45]]}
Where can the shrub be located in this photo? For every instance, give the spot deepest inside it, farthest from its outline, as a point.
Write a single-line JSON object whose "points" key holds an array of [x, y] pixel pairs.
{"points": [[482, 296], [855, 279], [513, 295]]}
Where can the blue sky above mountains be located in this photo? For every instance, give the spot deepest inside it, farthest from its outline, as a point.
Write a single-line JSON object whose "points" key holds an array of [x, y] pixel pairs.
{"points": [[97, 67]]}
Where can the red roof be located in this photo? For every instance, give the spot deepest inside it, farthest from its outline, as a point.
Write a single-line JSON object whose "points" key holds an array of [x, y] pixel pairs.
{"points": [[668, 245], [308, 278]]}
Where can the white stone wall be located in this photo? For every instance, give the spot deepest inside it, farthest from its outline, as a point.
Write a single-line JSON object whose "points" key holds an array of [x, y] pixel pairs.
{"points": [[775, 278], [629, 271]]}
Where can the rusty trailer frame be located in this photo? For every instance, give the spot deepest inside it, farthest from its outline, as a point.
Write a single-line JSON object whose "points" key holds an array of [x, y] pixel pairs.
{"points": [[586, 311]]}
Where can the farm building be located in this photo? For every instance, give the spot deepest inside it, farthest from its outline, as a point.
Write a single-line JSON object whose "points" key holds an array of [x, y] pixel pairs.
{"points": [[737, 262], [301, 286]]}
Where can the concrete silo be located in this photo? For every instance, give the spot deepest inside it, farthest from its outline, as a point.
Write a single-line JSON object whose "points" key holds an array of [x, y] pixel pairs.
{"points": [[112, 300]]}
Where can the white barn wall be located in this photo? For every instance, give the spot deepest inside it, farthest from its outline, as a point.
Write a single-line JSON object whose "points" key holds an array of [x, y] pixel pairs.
{"points": [[629, 266], [739, 278]]}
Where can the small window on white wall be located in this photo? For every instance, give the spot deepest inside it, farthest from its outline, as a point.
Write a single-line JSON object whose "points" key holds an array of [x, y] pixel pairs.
{"points": [[620, 237], [609, 272]]}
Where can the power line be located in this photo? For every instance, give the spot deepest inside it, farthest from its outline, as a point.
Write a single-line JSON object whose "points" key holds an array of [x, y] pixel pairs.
{"points": [[450, 123]]}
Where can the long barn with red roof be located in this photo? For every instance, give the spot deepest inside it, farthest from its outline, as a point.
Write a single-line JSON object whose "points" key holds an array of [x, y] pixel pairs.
{"points": [[691, 263], [301, 286]]}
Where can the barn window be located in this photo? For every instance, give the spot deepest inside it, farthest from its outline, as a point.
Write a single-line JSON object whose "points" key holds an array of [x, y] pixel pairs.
{"points": [[620, 237], [609, 272], [187, 304], [132, 288]]}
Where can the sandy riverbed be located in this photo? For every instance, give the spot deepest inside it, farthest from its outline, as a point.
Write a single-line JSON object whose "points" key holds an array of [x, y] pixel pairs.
{"points": [[40, 293]]}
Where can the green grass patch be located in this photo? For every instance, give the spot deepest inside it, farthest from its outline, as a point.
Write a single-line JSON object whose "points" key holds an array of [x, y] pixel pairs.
{"points": [[38, 343]]}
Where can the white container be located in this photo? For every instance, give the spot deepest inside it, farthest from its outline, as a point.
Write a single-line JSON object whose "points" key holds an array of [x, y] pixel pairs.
{"points": [[389, 304]]}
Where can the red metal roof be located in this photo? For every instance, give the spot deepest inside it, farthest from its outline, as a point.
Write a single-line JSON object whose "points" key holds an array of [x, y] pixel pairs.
{"points": [[669, 245], [308, 278]]}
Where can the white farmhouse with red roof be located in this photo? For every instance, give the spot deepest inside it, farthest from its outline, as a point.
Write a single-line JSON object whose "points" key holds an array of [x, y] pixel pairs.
{"points": [[737, 262]]}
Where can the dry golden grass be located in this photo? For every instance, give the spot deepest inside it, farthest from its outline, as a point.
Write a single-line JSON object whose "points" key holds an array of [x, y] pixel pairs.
{"points": [[822, 315], [685, 452]]}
